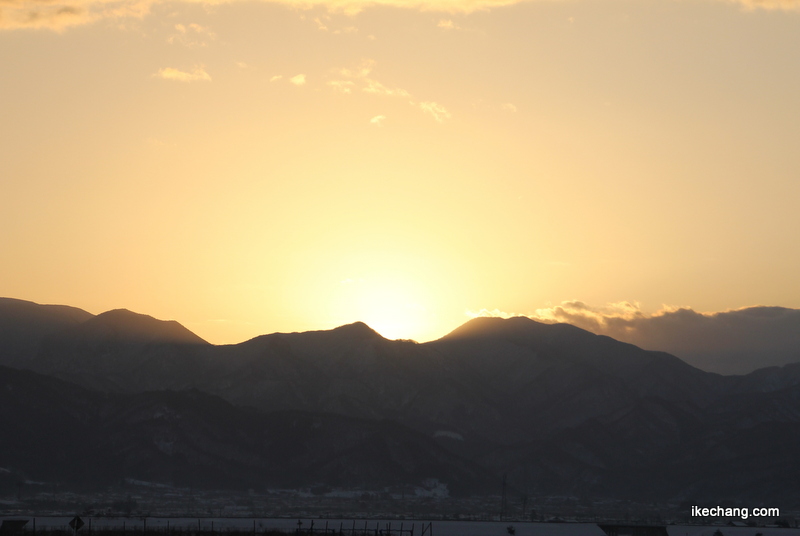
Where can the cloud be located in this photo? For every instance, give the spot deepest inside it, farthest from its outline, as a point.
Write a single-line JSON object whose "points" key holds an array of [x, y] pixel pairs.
{"points": [[493, 313], [276, 78], [323, 24], [369, 85], [447, 24], [444, 6], [191, 36], [298, 80], [320, 25], [361, 71], [361, 76], [781, 5], [436, 110], [377, 120], [345, 86], [196, 74], [509, 107], [729, 342], [376, 88], [595, 319], [58, 15]]}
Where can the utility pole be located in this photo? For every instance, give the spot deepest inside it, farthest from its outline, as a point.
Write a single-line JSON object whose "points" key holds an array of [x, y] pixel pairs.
{"points": [[503, 505]]}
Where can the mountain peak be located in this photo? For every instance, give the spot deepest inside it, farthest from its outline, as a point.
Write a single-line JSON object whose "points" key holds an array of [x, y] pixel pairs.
{"points": [[492, 326], [358, 330], [125, 325], [23, 310]]}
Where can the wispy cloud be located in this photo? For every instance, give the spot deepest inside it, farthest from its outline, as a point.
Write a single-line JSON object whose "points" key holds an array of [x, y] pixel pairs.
{"points": [[783, 5], [56, 16], [191, 35], [490, 313], [361, 73], [436, 110], [320, 25], [448, 24], [298, 80], [196, 74], [324, 25], [377, 120], [595, 319], [729, 342], [361, 76], [345, 86], [376, 88], [61, 14], [363, 70], [276, 78]]}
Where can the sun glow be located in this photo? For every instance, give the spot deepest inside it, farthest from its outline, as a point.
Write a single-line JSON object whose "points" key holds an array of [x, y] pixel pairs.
{"points": [[392, 306], [234, 173]]}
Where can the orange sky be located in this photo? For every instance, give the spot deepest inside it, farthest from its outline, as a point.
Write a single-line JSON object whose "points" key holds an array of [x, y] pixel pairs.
{"points": [[261, 166]]}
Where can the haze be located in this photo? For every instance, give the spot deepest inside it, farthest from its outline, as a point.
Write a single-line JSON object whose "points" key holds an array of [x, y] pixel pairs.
{"points": [[253, 167]]}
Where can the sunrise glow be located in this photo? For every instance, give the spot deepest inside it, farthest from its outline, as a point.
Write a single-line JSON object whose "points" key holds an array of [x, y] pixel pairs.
{"points": [[253, 167]]}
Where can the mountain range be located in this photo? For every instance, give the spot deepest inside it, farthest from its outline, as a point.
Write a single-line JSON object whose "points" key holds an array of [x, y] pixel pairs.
{"points": [[557, 409]]}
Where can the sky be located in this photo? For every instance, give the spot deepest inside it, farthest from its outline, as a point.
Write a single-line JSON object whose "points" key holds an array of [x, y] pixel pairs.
{"points": [[248, 167]]}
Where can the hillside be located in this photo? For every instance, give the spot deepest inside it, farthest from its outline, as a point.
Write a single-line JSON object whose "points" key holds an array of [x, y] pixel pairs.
{"points": [[555, 407]]}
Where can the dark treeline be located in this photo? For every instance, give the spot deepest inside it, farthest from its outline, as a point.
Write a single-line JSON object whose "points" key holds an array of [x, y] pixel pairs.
{"points": [[184, 531], [328, 529], [160, 531]]}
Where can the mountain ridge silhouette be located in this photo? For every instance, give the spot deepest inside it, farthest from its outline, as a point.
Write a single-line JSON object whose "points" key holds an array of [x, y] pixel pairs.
{"points": [[513, 396]]}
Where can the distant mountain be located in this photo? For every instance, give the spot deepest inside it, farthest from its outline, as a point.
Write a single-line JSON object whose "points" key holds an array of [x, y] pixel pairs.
{"points": [[513, 381], [24, 325], [123, 326], [560, 375], [557, 408], [739, 450], [729, 342], [92, 350], [769, 379], [58, 432]]}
